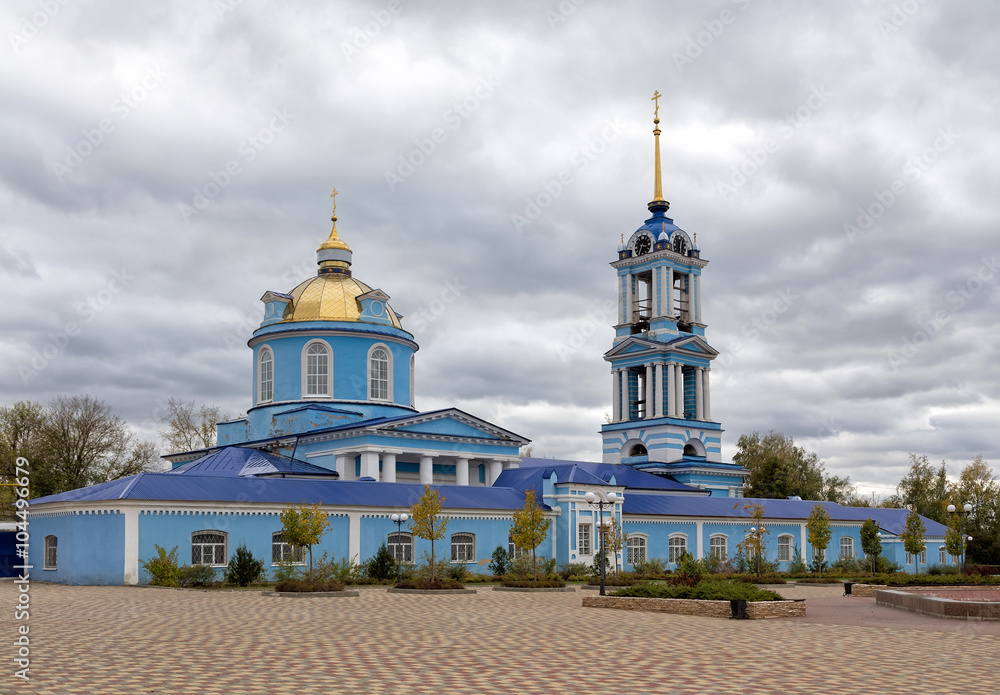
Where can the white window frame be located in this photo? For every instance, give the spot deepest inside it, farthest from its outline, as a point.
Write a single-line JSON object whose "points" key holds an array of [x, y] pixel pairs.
{"points": [[676, 547], [463, 547], [585, 538], [909, 558], [285, 553], [51, 559], [400, 544], [637, 547], [372, 396], [942, 555], [786, 547], [513, 551], [821, 554], [265, 395], [923, 556], [325, 389], [203, 544], [713, 545], [848, 543]]}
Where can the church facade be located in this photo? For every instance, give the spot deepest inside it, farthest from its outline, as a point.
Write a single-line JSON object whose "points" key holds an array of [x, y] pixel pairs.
{"points": [[333, 422]]}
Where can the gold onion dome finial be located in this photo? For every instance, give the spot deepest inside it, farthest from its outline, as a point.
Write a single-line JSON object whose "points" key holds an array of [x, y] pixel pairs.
{"points": [[333, 255], [657, 186]]}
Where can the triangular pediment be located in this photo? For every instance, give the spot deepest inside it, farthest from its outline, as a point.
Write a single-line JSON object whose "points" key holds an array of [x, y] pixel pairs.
{"points": [[688, 343], [375, 294], [451, 423]]}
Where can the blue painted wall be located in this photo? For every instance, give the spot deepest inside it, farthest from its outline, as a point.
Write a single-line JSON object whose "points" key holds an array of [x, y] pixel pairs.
{"points": [[91, 548]]}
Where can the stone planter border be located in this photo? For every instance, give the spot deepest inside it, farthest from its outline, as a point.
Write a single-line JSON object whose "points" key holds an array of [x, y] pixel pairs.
{"points": [[530, 589], [756, 610], [435, 592], [311, 594]]}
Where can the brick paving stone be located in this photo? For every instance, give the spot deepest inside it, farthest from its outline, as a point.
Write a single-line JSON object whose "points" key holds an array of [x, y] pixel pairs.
{"points": [[150, 641]]}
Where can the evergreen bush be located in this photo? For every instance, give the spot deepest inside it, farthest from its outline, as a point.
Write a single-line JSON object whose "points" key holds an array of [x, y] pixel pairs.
{"points": [[382, 565], [500, 564], [244, 569]]}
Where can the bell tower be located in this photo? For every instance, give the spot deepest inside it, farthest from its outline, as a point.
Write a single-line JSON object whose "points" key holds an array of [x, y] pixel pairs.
{"points": [[661, 414]]}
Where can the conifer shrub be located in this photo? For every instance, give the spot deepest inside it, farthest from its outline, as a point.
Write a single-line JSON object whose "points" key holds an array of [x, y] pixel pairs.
{"points": [[500, 564], [244, 569], [381, 565]]}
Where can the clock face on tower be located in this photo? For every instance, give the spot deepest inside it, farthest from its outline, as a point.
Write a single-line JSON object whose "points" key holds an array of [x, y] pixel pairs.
{"points": [[642, 245]]}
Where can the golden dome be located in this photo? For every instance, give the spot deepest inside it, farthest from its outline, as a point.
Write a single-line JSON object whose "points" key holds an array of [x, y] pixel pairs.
{"points": [[330, 297]]}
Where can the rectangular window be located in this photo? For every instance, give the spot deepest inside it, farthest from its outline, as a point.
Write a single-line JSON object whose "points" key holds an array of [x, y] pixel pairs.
{"points": [[923, 557], [208, 548], [847, 548], [463, 547], [283, 552], [583, 545], [51, 553], [636, 550], [401, 547], [784, 548]]}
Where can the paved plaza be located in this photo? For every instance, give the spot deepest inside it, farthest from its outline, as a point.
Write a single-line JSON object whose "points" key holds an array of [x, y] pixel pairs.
{"points": [[146, 641]]}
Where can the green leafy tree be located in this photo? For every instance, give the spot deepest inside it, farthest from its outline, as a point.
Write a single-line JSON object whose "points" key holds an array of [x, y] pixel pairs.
{"points": [[953, 538], [244, 569], [871, 544], [426, 522], [163, 568], [819, 532], [615, 539], [977, 485], [924, 489], [913, 537], [530, 527], [754, 544], [304, 526]]}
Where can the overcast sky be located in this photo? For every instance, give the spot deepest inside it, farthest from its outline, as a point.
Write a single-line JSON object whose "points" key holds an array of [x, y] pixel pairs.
{"points": [[164, 164]]}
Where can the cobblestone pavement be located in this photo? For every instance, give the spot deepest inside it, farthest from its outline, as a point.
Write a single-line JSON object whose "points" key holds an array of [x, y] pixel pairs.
{"points": [[146, 641]]}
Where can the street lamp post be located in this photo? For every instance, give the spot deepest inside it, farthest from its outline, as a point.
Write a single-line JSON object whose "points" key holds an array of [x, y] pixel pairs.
{"points": [[962, 513], [601, 501], [399, 520]]}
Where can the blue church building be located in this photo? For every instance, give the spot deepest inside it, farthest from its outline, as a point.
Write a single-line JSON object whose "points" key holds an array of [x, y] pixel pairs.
{"points": [[332, 421]]}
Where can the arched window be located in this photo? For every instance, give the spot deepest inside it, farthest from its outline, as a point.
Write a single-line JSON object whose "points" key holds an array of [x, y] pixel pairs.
{"points": [[401, 546], [512, 550], [316, 372], [51, 560], [283, 552], [463, 547], [677, 547], [208, 548], [846, 548], [636, 545], [265, 376], [785, 548], [379, 374], [718, 547], [942, 556], [638, 450]]}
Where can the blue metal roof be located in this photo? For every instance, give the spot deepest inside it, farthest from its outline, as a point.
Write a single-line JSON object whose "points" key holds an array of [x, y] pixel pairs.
{"points": [[603, 472], [243, 461], [208, 488], [889, 520]]}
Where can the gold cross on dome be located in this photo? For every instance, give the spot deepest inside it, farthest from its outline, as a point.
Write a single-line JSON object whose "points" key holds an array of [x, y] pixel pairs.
{"points": [[334, 196], [656, 98]]}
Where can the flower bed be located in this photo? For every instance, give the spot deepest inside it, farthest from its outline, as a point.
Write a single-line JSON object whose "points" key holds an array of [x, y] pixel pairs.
{"points": [[755, 610]]}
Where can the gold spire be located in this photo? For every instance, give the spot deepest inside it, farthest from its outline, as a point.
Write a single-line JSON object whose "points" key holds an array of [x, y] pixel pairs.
{"points": [[334, 241], [657, 186]]}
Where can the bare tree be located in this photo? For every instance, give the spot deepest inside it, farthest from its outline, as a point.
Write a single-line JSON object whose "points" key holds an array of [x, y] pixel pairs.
{"points": [[190, 426]]}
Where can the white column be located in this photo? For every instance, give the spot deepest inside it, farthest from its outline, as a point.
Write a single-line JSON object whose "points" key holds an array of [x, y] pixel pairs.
{"points": [[461, 471], [679, 390], [621, 299], [649, 391], [369, 464], [658, 381], [705, 397], [628, 299], [616, 395], [496, 468], [426, 470], [342, 467], [354, 534], [699, 406], [626, 406], [669, 311], [131, 569], [389, 468], [671, 388], [697, 296], [699, 540]]}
